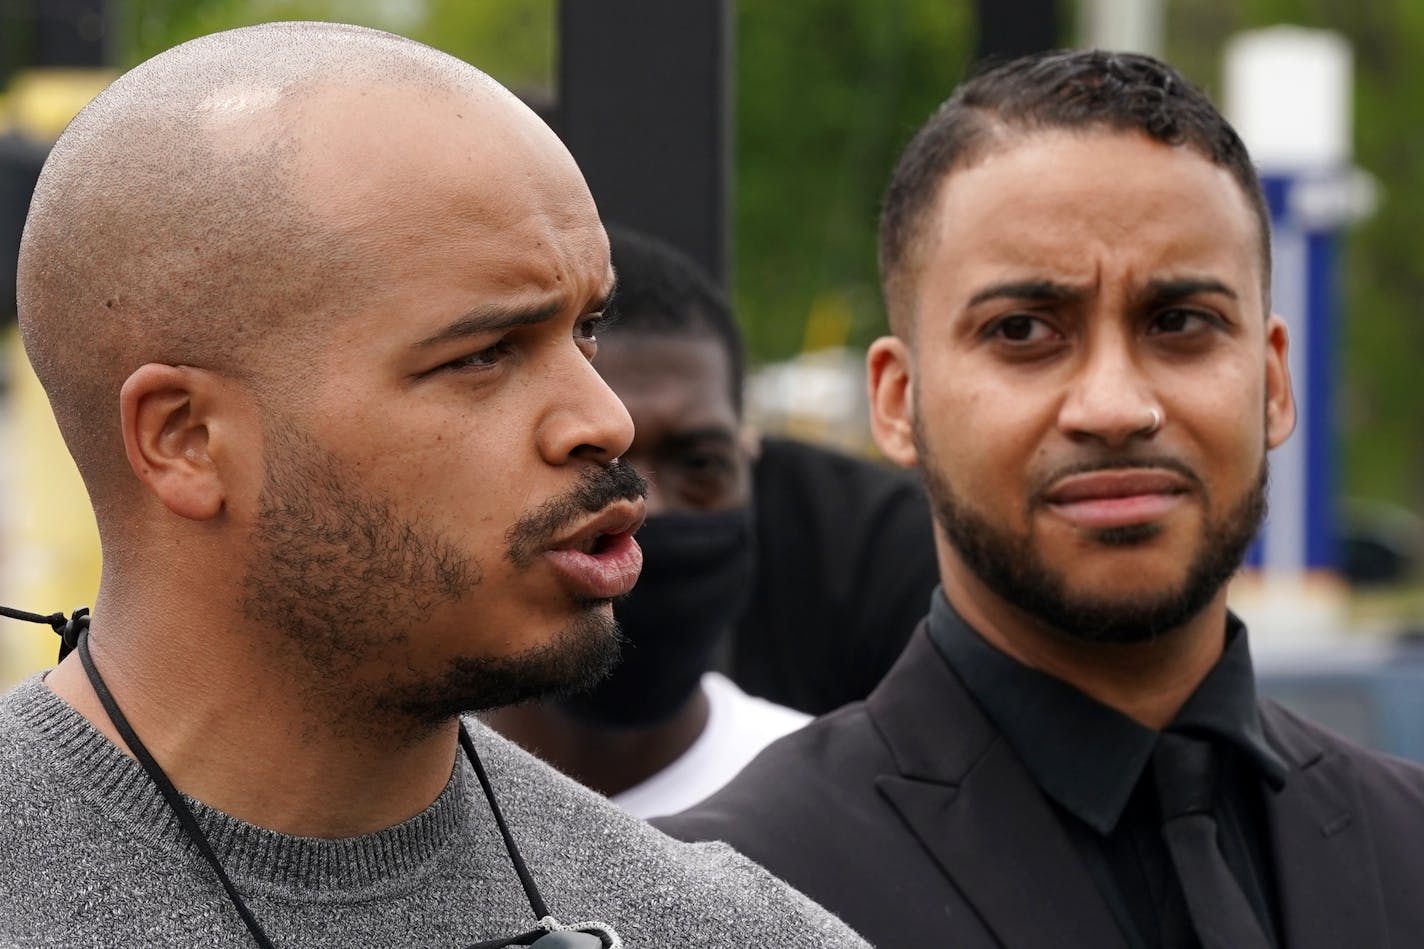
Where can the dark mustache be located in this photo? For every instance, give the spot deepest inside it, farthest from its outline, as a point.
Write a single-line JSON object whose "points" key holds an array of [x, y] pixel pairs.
{"points": [[597, 488]]}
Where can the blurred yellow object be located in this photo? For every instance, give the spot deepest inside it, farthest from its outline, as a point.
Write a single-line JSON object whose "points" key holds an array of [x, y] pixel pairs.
{"points": [[42, 101], [49, 548], [828, 324]]}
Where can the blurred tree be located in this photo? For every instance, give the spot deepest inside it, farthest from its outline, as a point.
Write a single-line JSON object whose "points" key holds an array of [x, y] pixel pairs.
{"points": [[1382, 334], [828, 93]]}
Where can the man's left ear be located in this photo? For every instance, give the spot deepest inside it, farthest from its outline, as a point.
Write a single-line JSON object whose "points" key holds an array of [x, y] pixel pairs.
{"points": [[168, 415], [1280, 399]]}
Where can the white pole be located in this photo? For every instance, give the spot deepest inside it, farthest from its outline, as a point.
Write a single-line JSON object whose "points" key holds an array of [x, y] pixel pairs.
{"points": [[1133, 26]]}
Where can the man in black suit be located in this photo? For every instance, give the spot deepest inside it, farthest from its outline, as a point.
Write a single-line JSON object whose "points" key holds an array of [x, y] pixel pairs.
{"points": [[1075, 257]]}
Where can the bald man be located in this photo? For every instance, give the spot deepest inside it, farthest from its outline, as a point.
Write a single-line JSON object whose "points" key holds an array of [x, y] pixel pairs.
{"points": [[314, 307]]}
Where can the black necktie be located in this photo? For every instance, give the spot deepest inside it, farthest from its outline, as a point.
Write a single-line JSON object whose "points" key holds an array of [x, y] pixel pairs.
{"points": [[1186, 777]]}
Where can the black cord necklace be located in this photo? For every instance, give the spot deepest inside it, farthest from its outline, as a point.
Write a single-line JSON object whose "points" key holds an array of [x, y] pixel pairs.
{"points": [[550, 934]]}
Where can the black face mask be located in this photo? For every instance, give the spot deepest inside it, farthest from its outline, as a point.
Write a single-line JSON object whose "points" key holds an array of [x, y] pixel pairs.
{"points": [[697, 576]]}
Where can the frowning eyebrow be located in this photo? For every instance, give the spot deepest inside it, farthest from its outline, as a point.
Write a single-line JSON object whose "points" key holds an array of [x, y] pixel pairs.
{"points": [[1155, 293], [493, 317], [1045, 291], [1162, 292]]}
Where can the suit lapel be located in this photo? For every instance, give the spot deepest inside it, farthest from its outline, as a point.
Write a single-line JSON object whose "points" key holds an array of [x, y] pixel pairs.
{"points": [[1326, 870], [964, 795]]}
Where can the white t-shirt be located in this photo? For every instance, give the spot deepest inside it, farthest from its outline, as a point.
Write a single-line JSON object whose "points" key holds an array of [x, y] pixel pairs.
{"points": [[738, 726]]}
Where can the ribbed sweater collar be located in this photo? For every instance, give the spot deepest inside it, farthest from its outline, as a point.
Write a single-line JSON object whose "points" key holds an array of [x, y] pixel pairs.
{"points": [[89, 769]]}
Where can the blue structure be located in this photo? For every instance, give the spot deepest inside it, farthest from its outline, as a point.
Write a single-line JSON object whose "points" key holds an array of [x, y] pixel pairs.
{"points": [[1309, 211]]}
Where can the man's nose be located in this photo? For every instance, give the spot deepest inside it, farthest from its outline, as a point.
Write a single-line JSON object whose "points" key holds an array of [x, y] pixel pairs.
{"points": [[1110, 398], [586, 420]]}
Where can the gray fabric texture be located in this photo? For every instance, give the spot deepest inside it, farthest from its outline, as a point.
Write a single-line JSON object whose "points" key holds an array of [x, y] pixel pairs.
{"points": [[90, 856]]}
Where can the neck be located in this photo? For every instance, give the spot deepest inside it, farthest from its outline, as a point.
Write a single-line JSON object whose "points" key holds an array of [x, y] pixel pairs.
{"points": [[244, 738], [1147, 681], [607, 759]]}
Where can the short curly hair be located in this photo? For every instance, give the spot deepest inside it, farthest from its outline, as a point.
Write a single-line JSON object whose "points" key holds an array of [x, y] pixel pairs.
{"points": [[1062, 89]]}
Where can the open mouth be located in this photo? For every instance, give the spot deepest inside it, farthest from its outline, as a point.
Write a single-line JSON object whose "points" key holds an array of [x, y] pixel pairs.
{"points": [[598, 544], [601, 560]]}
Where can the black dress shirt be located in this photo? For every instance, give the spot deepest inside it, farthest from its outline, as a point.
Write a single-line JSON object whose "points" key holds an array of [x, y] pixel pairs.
{"points": [[1092, 762]]}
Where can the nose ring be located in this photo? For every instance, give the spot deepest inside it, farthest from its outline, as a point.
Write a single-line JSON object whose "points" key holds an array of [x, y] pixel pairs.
{"points": [[1155, 424]]}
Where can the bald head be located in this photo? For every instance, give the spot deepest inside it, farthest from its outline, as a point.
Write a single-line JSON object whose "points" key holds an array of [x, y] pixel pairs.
{"points": [[182, 218]]}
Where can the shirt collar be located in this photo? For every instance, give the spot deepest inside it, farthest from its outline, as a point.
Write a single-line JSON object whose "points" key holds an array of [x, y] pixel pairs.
{"points": [[1224, 707], [1086, 756]]}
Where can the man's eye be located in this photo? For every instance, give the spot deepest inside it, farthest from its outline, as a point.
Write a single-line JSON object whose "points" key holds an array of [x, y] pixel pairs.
{"points": [[483, 359], [586, 330], [1021, 328], [1180, 321], [705, 464]]}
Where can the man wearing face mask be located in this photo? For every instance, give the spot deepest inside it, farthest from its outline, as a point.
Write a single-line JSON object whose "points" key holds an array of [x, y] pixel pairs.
{"points": [[664, 730]]}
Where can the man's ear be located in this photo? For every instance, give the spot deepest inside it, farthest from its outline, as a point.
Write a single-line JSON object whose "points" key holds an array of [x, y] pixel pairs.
{"points": [[166, 437], [749, 439], [889, 376], [1280, 399]]}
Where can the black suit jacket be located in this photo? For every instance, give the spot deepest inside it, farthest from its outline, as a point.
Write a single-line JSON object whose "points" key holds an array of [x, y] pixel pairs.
{"points": [[910, 817]]}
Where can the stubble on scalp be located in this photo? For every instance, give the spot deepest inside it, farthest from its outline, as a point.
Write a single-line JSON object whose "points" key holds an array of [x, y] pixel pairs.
{"points": [[169, 225], [1010, 566]]}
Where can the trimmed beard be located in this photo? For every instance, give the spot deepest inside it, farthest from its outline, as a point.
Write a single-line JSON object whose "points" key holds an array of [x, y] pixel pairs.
{"points": [[1010, 566], [350, 583]]}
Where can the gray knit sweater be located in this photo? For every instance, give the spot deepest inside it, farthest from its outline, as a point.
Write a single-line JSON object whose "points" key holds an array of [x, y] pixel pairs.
{"points": [[91, 856]]}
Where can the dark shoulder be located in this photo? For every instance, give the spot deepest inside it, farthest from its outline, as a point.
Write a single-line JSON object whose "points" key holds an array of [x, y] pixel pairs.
{"points": [[785, 463], [1308, 743], [820, 773]]}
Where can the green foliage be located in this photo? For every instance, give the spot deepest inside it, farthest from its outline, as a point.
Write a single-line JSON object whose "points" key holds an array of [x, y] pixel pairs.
{"points": [[827, 95]]}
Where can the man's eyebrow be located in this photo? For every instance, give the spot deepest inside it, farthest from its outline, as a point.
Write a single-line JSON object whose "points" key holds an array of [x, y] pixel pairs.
{"points": [[1160, 292], [488, 318], [1045, 291], [1154, 293]]}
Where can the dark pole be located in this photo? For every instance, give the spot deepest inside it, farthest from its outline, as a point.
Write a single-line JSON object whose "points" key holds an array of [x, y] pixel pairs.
{"points": [[38, 33], [1010, 28], [644, 105]]}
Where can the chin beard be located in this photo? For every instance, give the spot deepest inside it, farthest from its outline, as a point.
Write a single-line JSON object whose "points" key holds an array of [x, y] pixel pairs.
{"points": [[577, 658], [1009, 565]]}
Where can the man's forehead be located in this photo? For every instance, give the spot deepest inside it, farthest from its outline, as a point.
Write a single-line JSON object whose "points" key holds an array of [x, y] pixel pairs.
{"points": [[458, 163], [1102, 186]]}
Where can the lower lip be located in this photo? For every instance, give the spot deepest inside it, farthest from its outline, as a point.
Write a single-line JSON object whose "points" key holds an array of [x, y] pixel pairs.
{"points": [[1104, 513], [602, 576]]}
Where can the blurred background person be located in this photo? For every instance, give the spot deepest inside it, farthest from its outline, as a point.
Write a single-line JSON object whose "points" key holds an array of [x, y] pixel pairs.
{"points": [[665, 729], [845, 569]]}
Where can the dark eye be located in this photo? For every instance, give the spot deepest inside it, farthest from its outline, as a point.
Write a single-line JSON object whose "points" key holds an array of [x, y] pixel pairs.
{"points": [[587, 328], [705, 464], [1021, 328], [1181, 321], [705, 478], [483, 359], [586, 334]]}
